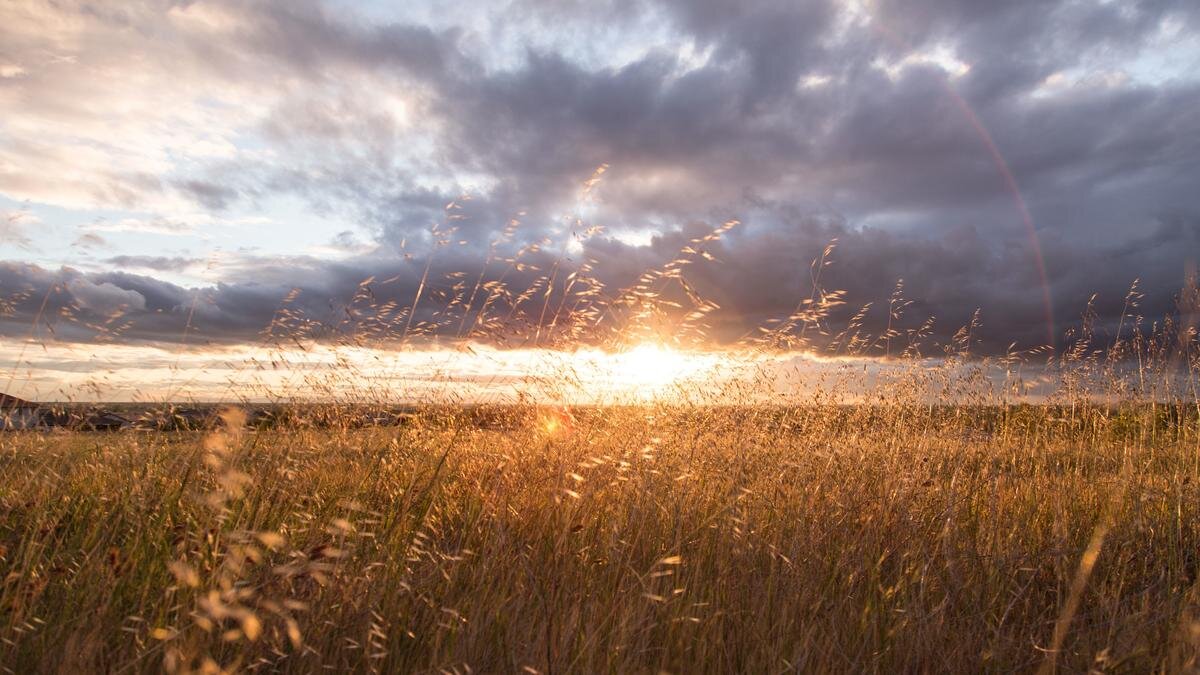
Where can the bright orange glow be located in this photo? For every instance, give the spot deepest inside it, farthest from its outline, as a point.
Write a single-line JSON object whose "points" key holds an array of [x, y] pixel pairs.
{"points": [[651, 365], [557, 422], [649, 371]]}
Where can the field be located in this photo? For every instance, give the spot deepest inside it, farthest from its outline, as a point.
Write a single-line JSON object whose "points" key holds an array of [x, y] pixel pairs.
{"points": [[661, 337], [862, 538], [805, 500]]}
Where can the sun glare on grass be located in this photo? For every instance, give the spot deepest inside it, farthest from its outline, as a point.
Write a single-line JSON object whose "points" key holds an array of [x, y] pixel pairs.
{"points": [[556, 422]]}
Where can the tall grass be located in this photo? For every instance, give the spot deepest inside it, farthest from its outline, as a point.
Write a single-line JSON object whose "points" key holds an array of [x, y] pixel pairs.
{"points": [[625, 540]]}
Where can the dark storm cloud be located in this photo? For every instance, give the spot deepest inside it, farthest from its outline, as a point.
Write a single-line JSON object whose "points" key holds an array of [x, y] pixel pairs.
{"points": [[267, 299], [902, 135], [758, 277]]}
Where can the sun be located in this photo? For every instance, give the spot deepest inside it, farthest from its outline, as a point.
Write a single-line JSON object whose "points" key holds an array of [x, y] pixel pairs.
{"points": [[651, 365]]}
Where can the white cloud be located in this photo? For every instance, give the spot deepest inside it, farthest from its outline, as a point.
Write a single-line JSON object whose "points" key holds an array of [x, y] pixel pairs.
{"points": [[942, 56], [182, 224], [105, 298], [814, 81], [104, 121]]}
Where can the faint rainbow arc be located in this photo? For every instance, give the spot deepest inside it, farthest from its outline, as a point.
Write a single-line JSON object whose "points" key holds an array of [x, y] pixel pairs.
{"points": [[1010, 181]]}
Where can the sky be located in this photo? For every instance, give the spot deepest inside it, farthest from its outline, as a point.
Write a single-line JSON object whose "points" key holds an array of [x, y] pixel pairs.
{"points": [[203, 173]]}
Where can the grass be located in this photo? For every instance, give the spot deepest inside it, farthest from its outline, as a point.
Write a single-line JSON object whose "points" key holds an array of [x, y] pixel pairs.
{"points": [[937, 524], [640, 539]]}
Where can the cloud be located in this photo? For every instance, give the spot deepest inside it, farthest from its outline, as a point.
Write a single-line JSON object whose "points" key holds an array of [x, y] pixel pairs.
{"points": [[918, 134], [104, 298], [756, 277], [210, 195], [89, 240], [156, 263]]}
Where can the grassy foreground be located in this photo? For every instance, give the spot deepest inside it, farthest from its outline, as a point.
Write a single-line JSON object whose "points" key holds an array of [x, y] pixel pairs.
{"points": [[631, 540]]}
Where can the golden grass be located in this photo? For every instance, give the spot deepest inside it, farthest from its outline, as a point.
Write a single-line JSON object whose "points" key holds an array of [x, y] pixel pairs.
{"points": [[637, 539], [938, 525]]}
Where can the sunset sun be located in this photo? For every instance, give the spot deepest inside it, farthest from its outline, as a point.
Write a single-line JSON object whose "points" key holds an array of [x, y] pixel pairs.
{"points": [[653, 365]]}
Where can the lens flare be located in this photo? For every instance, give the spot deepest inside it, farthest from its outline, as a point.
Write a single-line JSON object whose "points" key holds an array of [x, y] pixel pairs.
{"points": [[556, 422]]}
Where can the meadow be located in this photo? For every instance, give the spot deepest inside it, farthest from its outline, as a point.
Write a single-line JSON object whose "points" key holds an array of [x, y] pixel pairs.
{"points": [[1020, 511], [654, 538], [661, 337]]}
